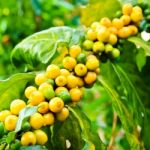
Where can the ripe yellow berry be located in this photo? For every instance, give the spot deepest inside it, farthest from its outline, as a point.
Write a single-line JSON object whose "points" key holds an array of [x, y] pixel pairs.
{"points": [[80, 82], [61, 80], [64, 72], [74, 51], [76, 94], [28, 138], [105, 22], [40, 78], [90, 78], [117, 23], [4, 114], [126, 19], [36, 121], [41, 137], [60, 89], [72, 81], [91, 35], [137, 9], [80, 70], [113, 30], [16, 106], [133, 29], [95, 25], [136, 16], [103, 34], [92, 64], [48, 119], [44, 86], [10, 122], [29, 90], [43, 107], [124, 32], [36, 98], [56, 104], [69, 62], [112, 39], [52, 71], [63, 114], [97, 71], [127, 9], [98, 47]]}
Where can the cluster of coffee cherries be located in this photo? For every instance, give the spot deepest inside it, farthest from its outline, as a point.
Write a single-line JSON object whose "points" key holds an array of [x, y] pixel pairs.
{"points": [[54, 89], [102, 37]]}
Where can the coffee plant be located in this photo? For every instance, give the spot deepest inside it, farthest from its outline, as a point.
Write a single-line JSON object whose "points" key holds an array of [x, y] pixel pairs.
{"points": [[45, 106]]}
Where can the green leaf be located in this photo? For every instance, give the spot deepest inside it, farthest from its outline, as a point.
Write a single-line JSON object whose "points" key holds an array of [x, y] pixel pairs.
{"points": [[41, 48], [10, 137], [34, 147], [140, 59], [13, 87], [95, 10], [23, 115], [133, 2], [141, 43], [77, 131]]}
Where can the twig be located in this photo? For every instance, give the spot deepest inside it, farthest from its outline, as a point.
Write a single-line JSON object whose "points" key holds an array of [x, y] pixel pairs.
{"points": [[110, 146]]}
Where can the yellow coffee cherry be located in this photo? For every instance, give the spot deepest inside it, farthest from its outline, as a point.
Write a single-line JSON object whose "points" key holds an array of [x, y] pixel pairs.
{"points": [[133, 29], [127, 9], [74, 51], [117, 23], [40, 78], [95, 25], [4, 114], [137, 9], [97, 70], [56, 104], [91, 57], [98, 47], [63, 114], [91, 35], [41, 137], [64, 72], [69, 62], [52, 71], [10, 122], [76, 94], [36, 121], [113, 30], [36, 98], [72, 81], [16, 106], [90, 78], [60, 89], [80, 82], [44, 86], [103, 34], [28, 138], [112, 39], [92, 64], [43, 107], [29, 90], [48, 119], [105, 22], [136, 16], [124, 32], [126, 19], [80, 70], [61, 80]]}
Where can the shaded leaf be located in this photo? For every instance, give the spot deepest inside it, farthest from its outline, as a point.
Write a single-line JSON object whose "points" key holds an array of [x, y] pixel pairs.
{"points": [[24, 114], [13, 87]]}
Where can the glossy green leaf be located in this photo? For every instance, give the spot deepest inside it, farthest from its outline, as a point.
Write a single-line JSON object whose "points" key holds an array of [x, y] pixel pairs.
{"points": [[95, 10], [41, 48], [34, 147], [141, 43], [13, 88], [24, 114]]}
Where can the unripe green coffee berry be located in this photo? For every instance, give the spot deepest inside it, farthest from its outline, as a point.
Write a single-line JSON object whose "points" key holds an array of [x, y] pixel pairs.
{"points": [[88, 44]]}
